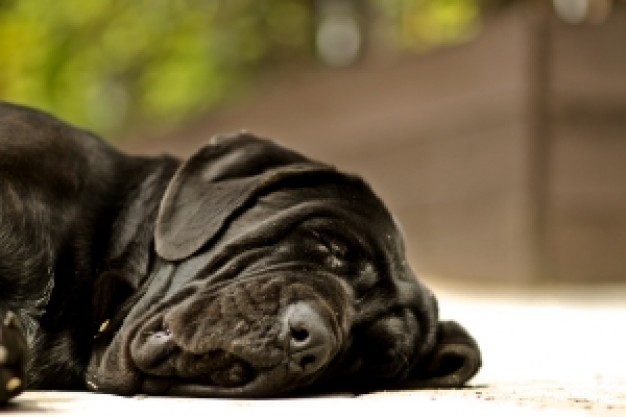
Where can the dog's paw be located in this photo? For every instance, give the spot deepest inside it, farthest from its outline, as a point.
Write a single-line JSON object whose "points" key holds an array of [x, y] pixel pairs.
{"points": [[13, 350]]}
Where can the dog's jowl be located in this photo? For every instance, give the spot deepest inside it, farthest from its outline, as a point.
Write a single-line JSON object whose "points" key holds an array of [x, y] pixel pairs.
{"points": [[247, 270]]}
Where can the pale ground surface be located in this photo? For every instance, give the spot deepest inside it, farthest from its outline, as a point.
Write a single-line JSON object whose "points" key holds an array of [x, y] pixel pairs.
{"points": [[552, 352]]}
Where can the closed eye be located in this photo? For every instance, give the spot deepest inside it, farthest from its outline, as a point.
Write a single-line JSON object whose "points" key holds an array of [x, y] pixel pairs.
{"points": [[331, 246], [345, 256]]}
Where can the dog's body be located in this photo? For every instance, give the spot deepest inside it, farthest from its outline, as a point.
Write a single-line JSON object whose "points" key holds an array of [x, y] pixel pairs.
{"points": [[247, 270]]}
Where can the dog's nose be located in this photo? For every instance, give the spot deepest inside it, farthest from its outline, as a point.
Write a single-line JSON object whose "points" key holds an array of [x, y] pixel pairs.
{"points": [[309, 338]]}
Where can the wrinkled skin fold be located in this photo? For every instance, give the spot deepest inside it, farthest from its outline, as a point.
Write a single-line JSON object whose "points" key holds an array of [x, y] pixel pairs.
{"points": [[247, 270]]}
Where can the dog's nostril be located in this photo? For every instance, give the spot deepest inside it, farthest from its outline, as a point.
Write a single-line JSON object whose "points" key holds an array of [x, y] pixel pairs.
{"points": [[307, 361], [299, 334]]}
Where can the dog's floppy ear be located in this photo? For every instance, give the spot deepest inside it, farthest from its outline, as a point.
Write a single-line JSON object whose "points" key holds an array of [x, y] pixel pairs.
{"points": [[453, 361], [216, 182]]}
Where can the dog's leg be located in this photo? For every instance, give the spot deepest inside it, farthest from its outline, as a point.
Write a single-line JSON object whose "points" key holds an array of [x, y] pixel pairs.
{"points": [[13, 350]]}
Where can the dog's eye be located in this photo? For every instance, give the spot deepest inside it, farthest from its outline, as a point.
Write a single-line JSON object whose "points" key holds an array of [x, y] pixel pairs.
{"points": [[335, 249], [330, 245]]}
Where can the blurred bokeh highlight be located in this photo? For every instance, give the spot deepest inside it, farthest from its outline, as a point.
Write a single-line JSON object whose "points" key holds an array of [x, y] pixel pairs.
{"points": [[494, 129]]}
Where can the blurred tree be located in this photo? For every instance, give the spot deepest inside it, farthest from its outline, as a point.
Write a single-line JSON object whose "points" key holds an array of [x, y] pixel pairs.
{"points": [[422, 24], [107, 64]]}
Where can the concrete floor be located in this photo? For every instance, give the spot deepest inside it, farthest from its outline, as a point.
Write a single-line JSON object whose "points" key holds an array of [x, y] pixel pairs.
{"points": [[551, 352]]}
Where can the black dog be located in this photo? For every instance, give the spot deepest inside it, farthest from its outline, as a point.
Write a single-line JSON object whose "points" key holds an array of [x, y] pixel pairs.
{"points": [[246, 271]]}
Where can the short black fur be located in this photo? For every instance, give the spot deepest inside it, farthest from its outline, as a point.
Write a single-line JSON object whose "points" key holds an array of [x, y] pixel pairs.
{"points": [[247, 270]]}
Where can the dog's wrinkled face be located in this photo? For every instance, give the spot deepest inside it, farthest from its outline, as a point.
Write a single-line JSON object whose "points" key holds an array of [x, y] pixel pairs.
{"points": [[275, 274]]}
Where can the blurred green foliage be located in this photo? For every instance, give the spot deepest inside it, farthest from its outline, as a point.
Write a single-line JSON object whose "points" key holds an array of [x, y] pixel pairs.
{"points": [[420, 25], [107, 64]]}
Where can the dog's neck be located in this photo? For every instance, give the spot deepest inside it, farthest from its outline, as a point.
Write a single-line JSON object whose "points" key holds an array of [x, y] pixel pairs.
{"points": [[106, 254], [128, 228]]}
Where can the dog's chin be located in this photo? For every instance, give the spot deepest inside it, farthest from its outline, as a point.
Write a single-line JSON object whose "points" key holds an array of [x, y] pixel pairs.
{"points": [[261, 383]]}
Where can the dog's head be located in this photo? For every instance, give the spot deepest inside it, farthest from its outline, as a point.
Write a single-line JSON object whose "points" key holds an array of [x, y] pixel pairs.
{"points": [[275, 273]]}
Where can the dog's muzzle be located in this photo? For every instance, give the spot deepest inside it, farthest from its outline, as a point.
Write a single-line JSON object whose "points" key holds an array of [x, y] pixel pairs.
{"points": [[247, 340]]}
